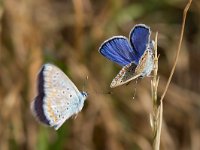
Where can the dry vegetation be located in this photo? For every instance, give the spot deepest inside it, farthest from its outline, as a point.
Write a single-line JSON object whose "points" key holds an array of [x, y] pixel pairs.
{"points": [[68, 34]]}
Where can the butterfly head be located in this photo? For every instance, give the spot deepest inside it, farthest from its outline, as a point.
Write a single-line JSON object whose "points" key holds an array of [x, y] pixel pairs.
{"points": [[84, 94]]}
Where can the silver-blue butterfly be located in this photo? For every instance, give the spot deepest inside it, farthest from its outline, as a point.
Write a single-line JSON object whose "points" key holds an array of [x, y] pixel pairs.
{"points": [[58, 98]]}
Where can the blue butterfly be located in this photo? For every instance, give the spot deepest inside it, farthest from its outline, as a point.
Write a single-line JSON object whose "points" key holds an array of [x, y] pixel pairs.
{"points": [[58, 98], [135, 54]]}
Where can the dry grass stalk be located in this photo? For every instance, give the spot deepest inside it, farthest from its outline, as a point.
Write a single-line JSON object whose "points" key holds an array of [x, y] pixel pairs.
{"points": [[179, 48], [156, 116]]}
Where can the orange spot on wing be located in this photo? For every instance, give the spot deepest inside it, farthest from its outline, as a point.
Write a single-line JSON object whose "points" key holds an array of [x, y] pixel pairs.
{"points": [[51, 112]]}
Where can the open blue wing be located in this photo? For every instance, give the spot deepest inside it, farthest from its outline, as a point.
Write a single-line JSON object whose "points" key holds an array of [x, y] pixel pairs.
{"points": [[118, 50], [139, 39]]}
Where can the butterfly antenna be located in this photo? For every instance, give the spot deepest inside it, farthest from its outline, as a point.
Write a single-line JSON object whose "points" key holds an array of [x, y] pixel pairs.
{"points": [[109, 92], [106, 93], [135, 89], [84, 83], [94, 91]]}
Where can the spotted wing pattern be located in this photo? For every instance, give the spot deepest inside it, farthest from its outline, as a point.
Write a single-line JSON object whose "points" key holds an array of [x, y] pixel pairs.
{"points": [[131, 71], [58, 98], [125, 75]]}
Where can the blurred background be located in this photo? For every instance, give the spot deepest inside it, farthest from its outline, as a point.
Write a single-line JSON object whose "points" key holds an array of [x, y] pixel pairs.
{"points": [[68, 34]]}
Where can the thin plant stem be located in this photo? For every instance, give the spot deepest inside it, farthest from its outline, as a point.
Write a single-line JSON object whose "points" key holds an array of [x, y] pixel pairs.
{"points": [[178, 50], [157, 116]]}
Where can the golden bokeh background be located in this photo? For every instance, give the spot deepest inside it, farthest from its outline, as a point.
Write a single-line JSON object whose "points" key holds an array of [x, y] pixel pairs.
{"points": [[68, 34]]}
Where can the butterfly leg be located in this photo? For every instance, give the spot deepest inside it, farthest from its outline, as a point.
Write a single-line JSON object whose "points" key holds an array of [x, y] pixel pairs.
{"points": [[135, 89]]}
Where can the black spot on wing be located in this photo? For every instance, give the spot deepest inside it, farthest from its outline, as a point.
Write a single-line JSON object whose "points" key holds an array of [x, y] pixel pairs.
{"points": [[39, 100]]}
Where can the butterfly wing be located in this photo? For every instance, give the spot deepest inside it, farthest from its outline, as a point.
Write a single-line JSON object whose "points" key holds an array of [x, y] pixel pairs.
{"points": [[58, 98], [132, 71], [126, 74], [139, 39], [118, 50]]}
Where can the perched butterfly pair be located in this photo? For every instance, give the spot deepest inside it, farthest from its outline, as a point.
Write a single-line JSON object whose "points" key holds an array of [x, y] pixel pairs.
{"points": [[58, 98]]}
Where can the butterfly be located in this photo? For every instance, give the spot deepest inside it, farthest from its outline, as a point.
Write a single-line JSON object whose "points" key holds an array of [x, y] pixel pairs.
{"points": [[135, 54], [58, 98]]}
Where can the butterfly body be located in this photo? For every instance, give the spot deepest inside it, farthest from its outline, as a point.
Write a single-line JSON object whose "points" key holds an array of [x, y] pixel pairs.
{"points": [[145, 65], [58, 98], [135, 56]]}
